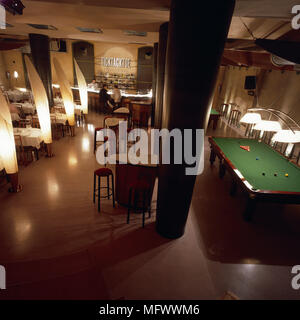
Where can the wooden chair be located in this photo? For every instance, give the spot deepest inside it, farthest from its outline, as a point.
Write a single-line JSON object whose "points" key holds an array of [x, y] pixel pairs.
{"points": [[35, 123]]}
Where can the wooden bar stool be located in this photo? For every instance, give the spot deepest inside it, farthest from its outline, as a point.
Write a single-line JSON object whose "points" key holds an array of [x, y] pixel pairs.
{"points": [[224, 110], [104, 172], [139, 194], [234, 117]]}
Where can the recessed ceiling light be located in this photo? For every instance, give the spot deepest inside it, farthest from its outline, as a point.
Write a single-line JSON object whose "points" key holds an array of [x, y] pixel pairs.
{"points": [[42, 26], [135, 33], [91, 30]]}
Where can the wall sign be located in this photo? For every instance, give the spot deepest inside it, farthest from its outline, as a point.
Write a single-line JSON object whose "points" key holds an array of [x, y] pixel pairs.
{"points": [[116, 62]]}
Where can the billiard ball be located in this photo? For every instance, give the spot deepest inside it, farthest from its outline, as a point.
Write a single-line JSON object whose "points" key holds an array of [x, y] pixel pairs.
{"points": [[275, 174], [263, 174], [257, 158], [286, 174]]}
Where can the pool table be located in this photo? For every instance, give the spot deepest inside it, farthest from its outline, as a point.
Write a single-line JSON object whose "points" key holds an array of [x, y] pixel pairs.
{"points": [[214, 117], [261, 172]]}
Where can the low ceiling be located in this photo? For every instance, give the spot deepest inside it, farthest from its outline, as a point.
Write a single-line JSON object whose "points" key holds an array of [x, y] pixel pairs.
{"points": [[269, 19], [265, 18]]}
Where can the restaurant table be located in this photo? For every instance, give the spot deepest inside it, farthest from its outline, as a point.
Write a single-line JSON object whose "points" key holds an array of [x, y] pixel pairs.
{"points": [[58, 117], [127, 174], [26, 107], [261, 172], [17, 95], [30, 137], [214, 117]]}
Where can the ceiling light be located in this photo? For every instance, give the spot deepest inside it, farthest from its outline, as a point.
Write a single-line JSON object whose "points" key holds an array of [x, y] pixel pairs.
{"points": [[266, 125], [42, 26], [287, 136], [135, 33], [251, 118], [90, 30]]}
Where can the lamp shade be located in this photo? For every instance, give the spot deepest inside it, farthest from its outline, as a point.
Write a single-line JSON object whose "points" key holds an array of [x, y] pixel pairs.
{"points": [[8, 157], [66, 92], [41, 100], [251, 118], [287, 136], [266, 125], [82, 88]]}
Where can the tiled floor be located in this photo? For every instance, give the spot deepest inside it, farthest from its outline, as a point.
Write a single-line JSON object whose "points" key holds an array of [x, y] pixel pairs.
{"points": [[54, 243]]}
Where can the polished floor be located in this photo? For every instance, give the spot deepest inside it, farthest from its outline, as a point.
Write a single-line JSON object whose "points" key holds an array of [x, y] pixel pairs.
{"points": [[55, 245]]}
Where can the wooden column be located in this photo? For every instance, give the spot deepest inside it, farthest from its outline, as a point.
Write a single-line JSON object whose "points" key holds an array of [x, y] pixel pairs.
{"points": [[154, 82], [40, 51], [196, 41], [161, 63]]}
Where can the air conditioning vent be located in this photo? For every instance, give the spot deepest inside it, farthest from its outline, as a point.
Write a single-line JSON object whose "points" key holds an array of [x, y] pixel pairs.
{"points": [[135, 33], [90, 30], [42, 26]]}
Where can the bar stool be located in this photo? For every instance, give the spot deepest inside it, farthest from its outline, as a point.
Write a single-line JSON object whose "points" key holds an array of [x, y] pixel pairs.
{"points": [[140, 193], [104, 172], [234, 117], [95, 137], [224, 110]]}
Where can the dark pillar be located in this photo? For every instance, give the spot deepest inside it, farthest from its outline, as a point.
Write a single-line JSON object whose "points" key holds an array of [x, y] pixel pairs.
{"points": [[154, 82], [196, 42], [161, 63], [40, 51]]}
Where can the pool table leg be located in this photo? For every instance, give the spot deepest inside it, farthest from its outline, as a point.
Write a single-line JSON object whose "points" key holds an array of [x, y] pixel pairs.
{"points": [[248, 214], [222, 169], [233, 188], [212, 157], [215, 123]]}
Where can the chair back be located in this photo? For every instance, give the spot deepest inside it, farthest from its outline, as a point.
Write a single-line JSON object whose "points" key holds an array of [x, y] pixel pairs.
{"points": [[35, 122]]}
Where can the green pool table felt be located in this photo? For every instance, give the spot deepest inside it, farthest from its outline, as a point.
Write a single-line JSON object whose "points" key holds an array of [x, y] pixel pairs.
{"points": [[269, 162], [214, 112]]}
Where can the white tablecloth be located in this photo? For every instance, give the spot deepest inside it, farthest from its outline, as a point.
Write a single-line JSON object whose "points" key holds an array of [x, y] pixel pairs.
{"points": [[17, 95], [30, 137], [59, 117], [26, 107]]}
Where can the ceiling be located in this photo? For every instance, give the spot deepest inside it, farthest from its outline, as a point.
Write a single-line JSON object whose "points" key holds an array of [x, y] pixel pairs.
{"points": [[265, 18], [269, 19]]}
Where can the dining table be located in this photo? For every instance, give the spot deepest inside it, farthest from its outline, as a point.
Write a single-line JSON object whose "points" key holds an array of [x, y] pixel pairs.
{"points": [[58, 117], [17, 95], [27, 107], [30, 137]]}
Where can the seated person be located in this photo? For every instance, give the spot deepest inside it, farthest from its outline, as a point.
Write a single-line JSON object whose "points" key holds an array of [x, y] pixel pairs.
{"points": [[116, 95], [105, 100], [93, 85]]}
